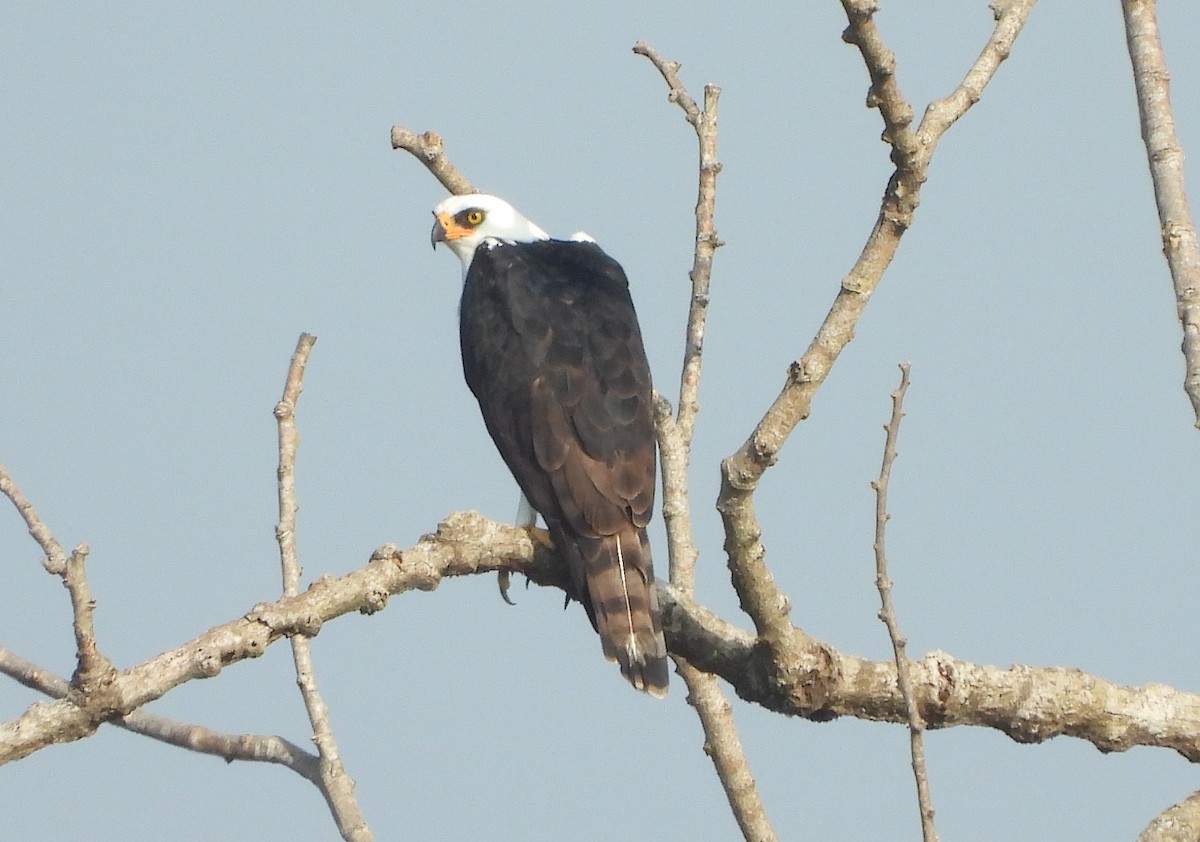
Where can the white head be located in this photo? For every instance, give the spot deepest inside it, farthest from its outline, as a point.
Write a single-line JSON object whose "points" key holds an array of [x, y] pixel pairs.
{"points": [[463, 222]]}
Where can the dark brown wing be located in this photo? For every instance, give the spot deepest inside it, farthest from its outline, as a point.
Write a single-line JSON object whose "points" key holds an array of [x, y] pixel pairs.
{"points": [[553, 352]]}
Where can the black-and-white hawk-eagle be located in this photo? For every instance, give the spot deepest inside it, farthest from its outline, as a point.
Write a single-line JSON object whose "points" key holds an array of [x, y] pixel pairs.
{"points": [[552, 350]]}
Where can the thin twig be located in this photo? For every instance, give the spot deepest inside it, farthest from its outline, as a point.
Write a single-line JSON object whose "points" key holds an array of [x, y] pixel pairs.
{"points": [[675, 434], [427, 148], [1180, 245], [677, 93], [289, 441], [336, 785], [887, 611], [55, 559], [706, 242], [91, 666], [721, 741], [197, 738]]}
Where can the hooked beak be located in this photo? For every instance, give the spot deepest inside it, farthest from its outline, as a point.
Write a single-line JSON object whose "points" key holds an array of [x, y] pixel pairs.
{"points": [[445, 228], [438, 234]]}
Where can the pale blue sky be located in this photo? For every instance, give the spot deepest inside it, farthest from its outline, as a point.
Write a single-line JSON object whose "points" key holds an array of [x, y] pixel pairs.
{"points": [[184, 189]]}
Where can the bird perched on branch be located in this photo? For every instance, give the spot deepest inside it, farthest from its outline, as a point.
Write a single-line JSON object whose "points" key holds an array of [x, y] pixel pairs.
{"points": [[552, 350]]}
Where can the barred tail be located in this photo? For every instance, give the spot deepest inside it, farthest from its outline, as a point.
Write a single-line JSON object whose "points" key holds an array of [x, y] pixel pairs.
{"points": [[624, 607]]}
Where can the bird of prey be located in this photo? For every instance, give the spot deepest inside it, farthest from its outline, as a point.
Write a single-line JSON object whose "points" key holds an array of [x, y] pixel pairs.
{"points": [[552, 351]]}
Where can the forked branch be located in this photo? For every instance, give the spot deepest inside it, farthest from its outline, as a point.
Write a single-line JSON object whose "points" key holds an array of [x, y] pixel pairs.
{"points": [[742, 471], [721, 741], [1030, 704], [229, 747], [335, 784]]}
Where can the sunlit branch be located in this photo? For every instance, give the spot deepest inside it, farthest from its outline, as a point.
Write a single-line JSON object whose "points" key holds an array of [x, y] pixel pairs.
{"points": [[1165, 155], [1180, 823], [335, 784], [258, 748], [809, 679], [721, 741], [427, 148], [887, 612], [742, 471], [55, 559]]}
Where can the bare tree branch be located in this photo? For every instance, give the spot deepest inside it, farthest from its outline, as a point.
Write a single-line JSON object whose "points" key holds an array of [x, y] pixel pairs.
{"points": [[335, 784], [427, 148], [941, 114], [1180, 245], [887, 611], [724, 747], [55, 559], [390, 571], [1029, 704], [289, 442], [884, 92], [675, 439], [197, 738], [707, 242], [94, 672], [676, 506], [1180, 823], [810, 679], [741, 472], [92, 668], [88, 687], [721, 741]]}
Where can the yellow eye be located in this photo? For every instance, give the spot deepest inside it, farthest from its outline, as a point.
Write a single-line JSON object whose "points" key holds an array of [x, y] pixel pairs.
{"points": [[474, 216]]}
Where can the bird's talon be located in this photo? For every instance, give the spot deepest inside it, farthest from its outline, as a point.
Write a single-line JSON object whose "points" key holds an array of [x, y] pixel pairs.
{"points": [[504, 579]]}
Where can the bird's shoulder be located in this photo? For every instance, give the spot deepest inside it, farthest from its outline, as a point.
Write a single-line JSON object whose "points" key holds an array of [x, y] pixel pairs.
{"points": [[551, 261]]}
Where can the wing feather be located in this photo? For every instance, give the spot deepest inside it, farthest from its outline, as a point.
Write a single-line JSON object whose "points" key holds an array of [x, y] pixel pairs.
{"points": [[553, 352]]}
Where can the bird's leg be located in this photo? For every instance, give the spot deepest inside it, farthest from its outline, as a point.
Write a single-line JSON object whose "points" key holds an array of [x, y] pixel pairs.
{"points": [[526, 519], [526, 514]]}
